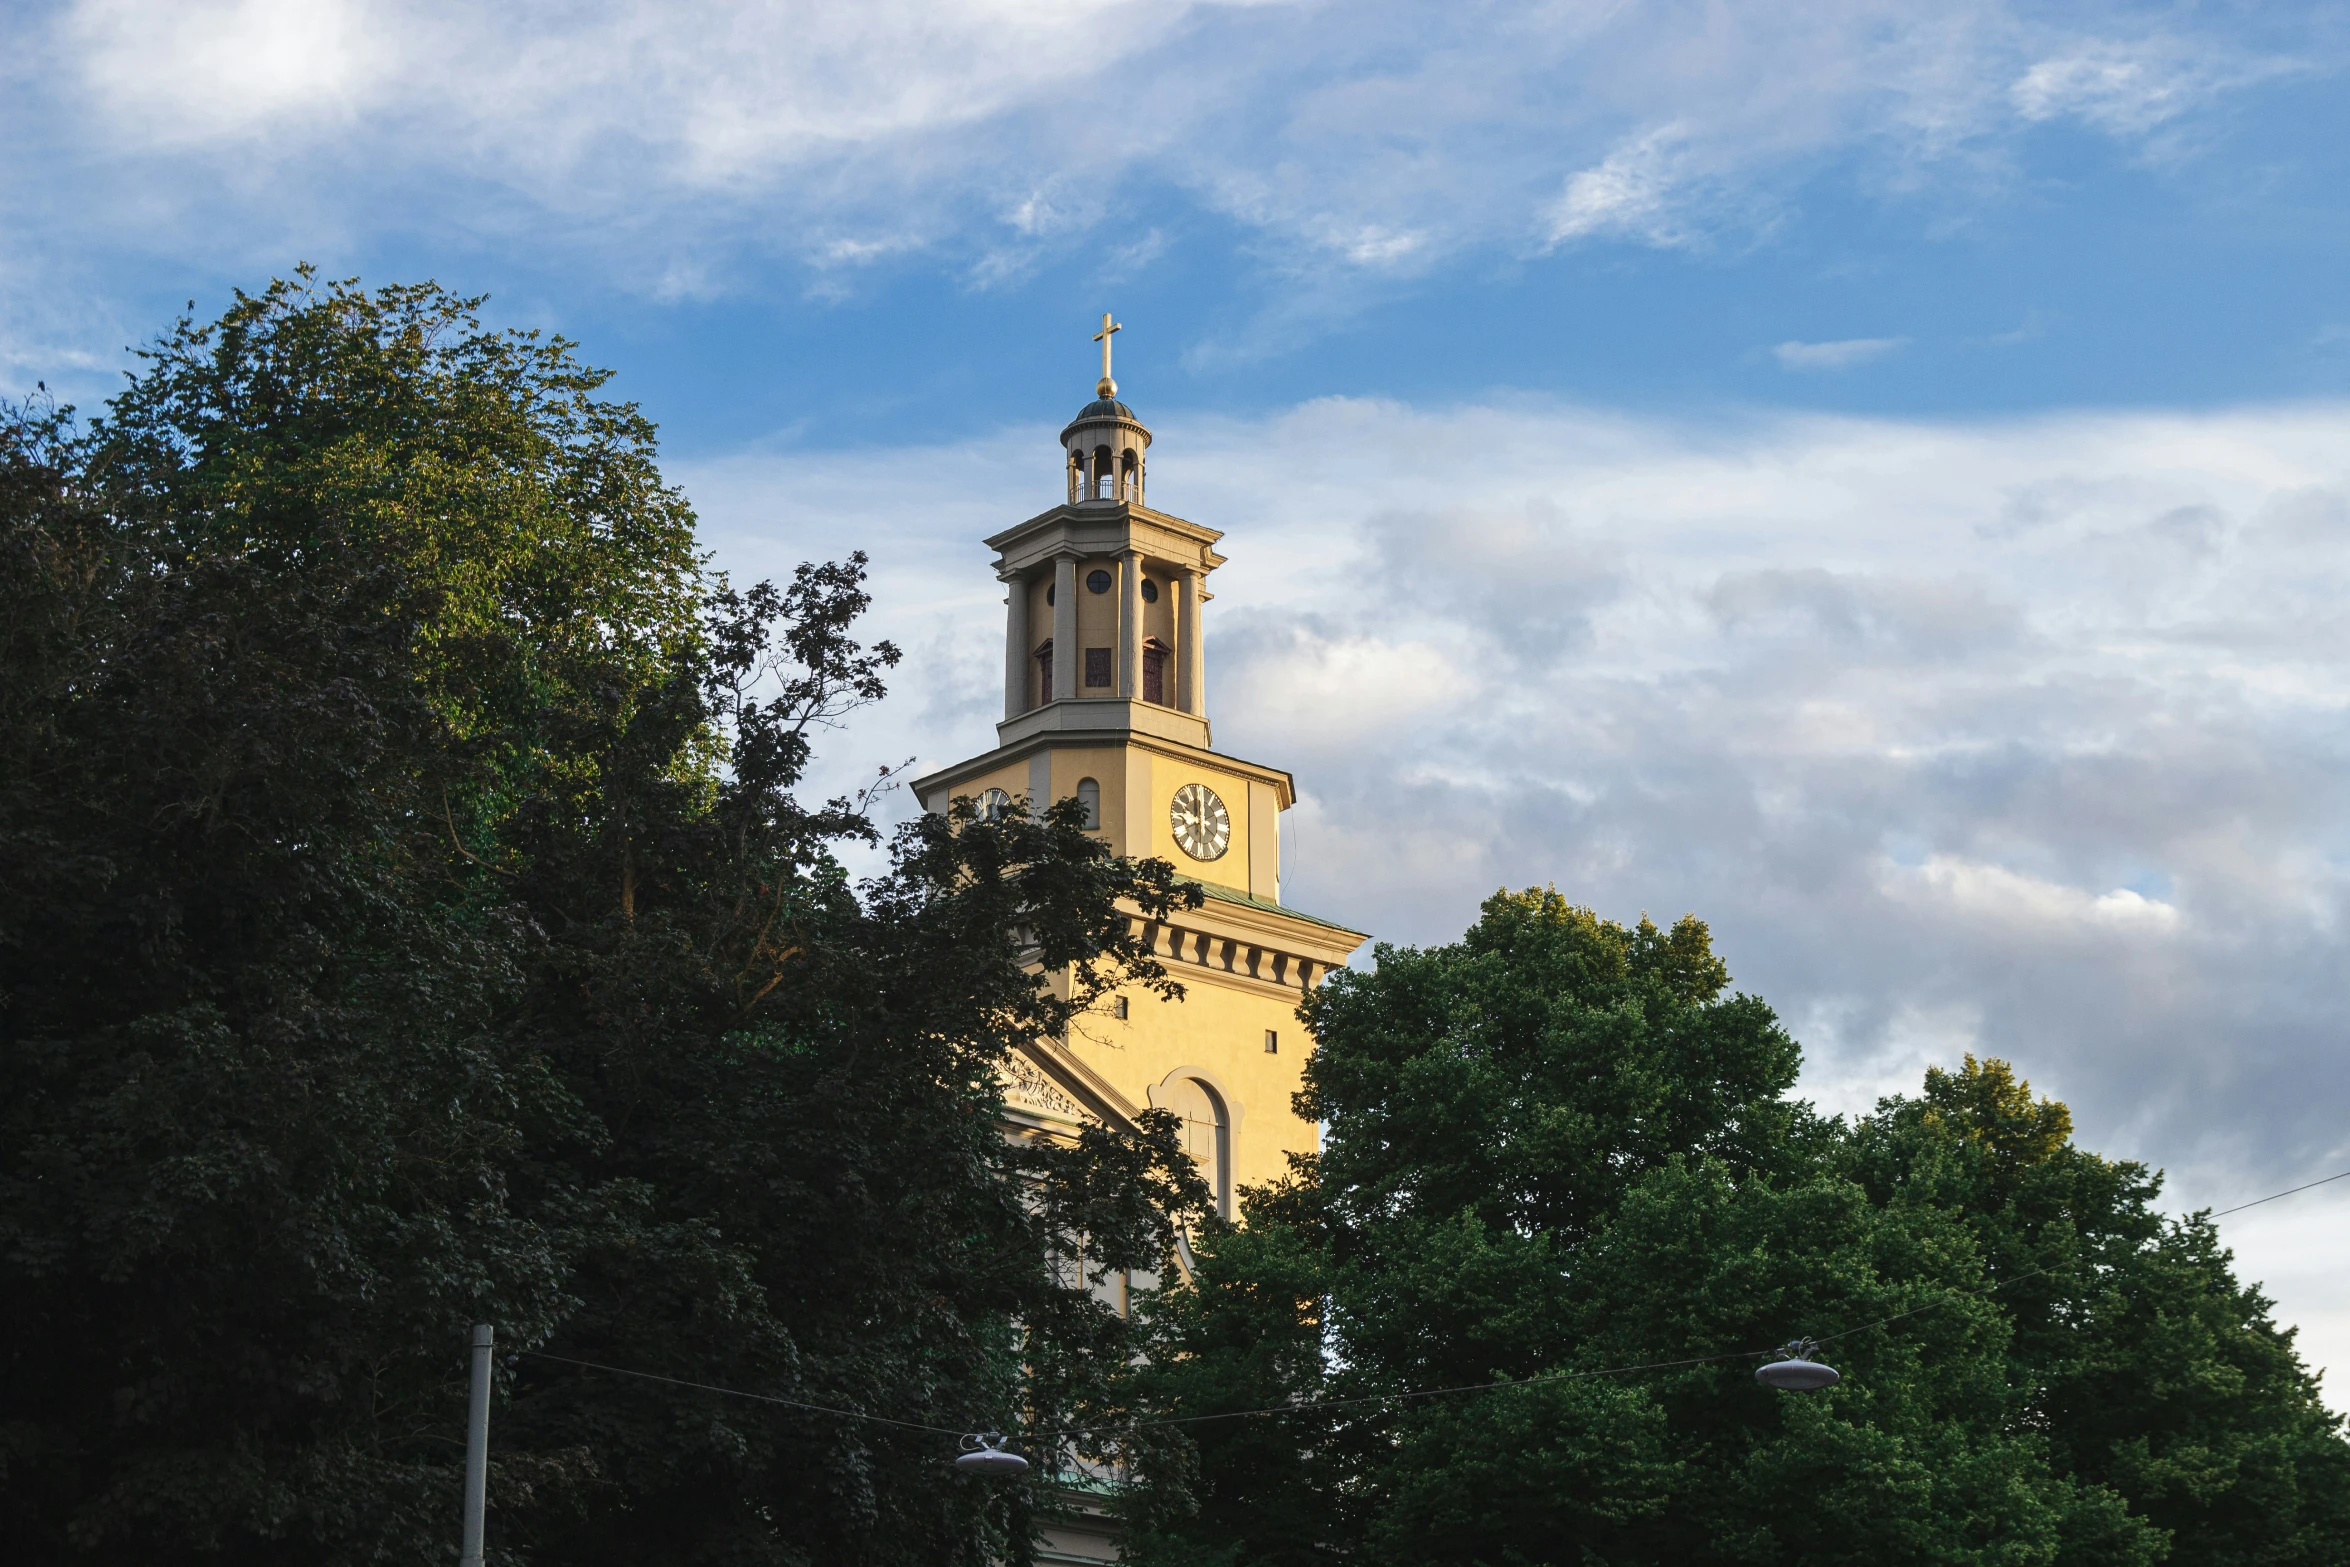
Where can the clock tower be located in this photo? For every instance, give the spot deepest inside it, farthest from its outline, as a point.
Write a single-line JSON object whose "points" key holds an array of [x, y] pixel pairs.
{"points": [[1105, 701]]}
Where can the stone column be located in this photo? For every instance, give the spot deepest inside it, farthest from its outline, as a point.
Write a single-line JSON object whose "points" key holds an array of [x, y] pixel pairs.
{"points": [[1015, 647], [1130, 625], [1192, 671], [1067, 655]]}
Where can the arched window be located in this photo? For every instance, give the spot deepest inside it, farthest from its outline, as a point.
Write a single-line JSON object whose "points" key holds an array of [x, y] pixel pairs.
{"points": [[1207, 1135], [1127, 488], [1089, 795], [1103, 469], [1044, 671], [1154, 671]]}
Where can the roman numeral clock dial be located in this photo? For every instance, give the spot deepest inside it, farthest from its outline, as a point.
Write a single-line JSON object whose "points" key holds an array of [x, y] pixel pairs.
{"points": [[1203, 828]]}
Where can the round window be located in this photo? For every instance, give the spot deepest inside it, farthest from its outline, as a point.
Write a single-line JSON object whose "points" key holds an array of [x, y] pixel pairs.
{"points": [[1097, 582], [1150, 591], [1048, 595]]}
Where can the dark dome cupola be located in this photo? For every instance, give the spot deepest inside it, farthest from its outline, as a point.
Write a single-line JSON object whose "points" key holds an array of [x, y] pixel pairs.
{"points": [[1105, 445]]}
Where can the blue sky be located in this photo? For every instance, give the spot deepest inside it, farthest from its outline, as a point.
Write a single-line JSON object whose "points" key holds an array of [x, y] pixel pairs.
{"points": [[1876, 475], [789, 218]]}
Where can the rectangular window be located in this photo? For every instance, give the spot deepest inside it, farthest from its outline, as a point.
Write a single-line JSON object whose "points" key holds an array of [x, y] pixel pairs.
{"points": [[1097, 666], [1154, 674], [1121, 1006], [1272, 1042]]}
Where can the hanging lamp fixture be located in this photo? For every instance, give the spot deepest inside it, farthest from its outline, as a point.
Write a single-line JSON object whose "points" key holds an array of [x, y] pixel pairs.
{"points": [[1796, 1371], [984, 1453]]}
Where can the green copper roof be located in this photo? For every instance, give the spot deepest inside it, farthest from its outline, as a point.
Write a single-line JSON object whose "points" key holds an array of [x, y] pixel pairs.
{"points": [[1224, 894]]}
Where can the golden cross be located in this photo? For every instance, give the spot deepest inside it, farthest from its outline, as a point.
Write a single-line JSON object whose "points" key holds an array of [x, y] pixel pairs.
{"points": [[1103, 337]]}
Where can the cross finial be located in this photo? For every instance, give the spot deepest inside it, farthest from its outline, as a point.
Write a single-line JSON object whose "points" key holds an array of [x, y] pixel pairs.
{"points": [[1108, 387]]}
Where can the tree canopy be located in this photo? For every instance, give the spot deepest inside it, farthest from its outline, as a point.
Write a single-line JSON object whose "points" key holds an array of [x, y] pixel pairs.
{"points": [[1560, 1154], [407, 919], [411, 915]]}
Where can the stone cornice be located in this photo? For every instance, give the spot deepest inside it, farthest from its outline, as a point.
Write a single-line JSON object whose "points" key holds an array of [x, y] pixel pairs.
{"points": [[1048, 739], [1254, 948], [1104, 528]]}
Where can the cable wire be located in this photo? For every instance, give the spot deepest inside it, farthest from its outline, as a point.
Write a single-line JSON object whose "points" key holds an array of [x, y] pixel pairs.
{"points": [[736, 1392], [2273, 1196], [1370, 1398], [1539, 1377]]}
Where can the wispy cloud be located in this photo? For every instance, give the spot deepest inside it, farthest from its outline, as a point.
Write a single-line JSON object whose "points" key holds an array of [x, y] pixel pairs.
{"points": [[2022, 738], [634, 132], [1840, 355], [227, 71], [2089, 670], [1834, 355], [2129, 89], [1631, 193]]}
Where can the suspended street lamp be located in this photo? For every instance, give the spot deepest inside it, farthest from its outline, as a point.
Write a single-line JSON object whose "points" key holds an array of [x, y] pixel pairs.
{"points": [[1796, 1371], [984, 1453]]}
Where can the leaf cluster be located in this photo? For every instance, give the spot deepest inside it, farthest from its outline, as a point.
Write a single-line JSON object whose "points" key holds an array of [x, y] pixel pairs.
{"points": [[1561, 1155], [408, 918]]}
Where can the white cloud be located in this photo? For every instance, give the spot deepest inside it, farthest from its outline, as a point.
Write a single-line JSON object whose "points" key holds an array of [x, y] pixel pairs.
{"points": [[1630, 193], [2026, 907], [2112, 90], [2130, 89], [1839, 355], [200, 70], [2020, 737], [635, 131], [723, 88]]}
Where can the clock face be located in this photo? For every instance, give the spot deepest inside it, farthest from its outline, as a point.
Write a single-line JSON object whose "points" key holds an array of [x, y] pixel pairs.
{"points": [[1203, 828]]}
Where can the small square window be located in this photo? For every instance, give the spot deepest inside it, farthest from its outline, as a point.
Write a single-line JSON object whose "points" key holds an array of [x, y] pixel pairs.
{"points": [[1272, 1042], [1118, 1007], [1097, 666]]}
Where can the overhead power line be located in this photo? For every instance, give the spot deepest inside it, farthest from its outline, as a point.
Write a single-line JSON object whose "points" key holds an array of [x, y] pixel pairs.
{"points": [[1358, 1401], [736, 1392], [2287, 1192]]}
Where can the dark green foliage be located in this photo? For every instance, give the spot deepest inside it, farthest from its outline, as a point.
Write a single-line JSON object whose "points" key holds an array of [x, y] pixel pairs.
{"points": [[2153, 1372], [406, 920], [1557, 1148]]}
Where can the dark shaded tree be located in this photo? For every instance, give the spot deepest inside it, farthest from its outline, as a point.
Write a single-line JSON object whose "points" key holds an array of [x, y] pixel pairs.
{"points": [[407, 918], [2152, 1370], [1559, 1147]]}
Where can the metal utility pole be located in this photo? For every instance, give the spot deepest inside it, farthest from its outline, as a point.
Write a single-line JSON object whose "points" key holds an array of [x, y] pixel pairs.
{"points": [[477, 1445]]}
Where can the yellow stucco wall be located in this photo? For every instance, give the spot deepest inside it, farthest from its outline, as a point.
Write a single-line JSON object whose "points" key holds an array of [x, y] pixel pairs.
{"points": [[1217, 1031], [1097, 618], [1217, 1034]]}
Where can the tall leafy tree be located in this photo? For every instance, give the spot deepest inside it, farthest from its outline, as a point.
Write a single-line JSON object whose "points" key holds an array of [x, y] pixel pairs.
{"points": [[2152, 1369], [408, 918], [1559, 1147]]}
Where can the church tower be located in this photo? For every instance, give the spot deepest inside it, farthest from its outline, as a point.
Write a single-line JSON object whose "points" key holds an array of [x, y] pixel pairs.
{"points": [[1105, 700]]}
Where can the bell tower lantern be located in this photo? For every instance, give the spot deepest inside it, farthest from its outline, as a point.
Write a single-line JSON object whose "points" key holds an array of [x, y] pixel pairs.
{"points": [[1106, 446]]}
